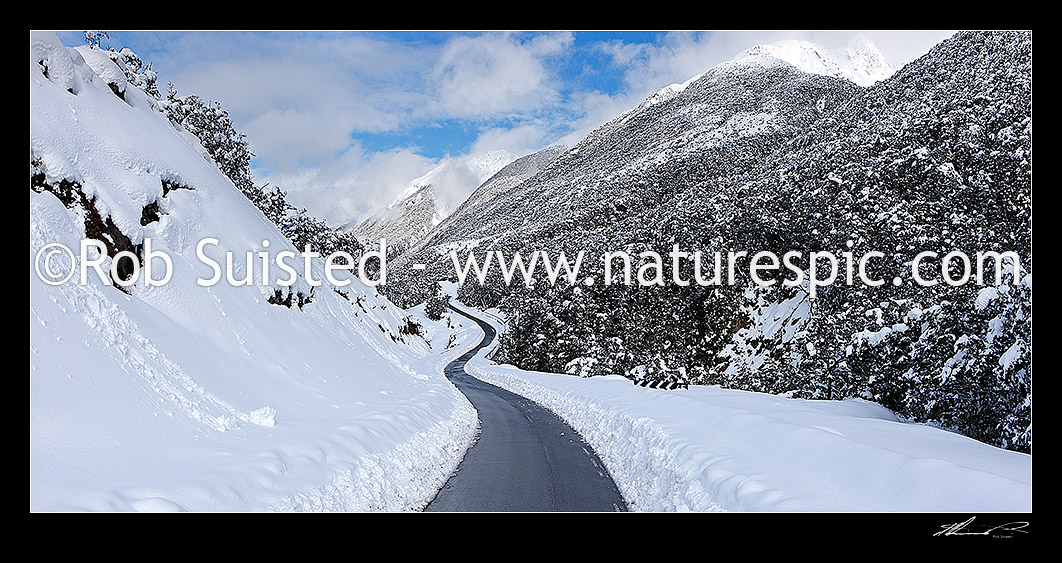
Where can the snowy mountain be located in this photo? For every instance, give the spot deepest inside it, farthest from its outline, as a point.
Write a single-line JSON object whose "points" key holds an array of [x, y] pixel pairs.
{"points": [[859, 61], [758, 154], [430, 199], [727, 118], [183, 396], [409, 285]]}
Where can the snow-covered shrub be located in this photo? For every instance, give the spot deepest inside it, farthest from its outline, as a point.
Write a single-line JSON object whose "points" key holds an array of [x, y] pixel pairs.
{"points": [[436, 307]]}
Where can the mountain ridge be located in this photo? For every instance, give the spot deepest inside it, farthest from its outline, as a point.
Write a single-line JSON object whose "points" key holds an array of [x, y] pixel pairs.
{"points": [[767, 157], [429, 199], [858, 61]]}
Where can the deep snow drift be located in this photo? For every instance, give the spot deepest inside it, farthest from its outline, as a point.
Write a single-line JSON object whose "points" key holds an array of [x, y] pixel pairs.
{"points": [[181, 397]]}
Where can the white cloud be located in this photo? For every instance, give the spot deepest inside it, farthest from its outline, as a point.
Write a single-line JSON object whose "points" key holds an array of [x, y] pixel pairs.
{"points": [[301, 99], [284, 138], [496, 74], [521, 139], [453, 181], [353, 185]]}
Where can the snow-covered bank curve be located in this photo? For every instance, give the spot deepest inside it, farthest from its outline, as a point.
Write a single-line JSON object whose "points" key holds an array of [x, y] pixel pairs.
{"points": [[636, 452], [407, 477], [709, 449]]}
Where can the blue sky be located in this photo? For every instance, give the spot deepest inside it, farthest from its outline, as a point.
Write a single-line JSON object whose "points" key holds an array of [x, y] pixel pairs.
{"points": [[343, 121]]}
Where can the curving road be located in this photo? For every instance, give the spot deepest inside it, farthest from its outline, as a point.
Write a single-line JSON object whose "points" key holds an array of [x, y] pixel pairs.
{"points": [[525, 458]]}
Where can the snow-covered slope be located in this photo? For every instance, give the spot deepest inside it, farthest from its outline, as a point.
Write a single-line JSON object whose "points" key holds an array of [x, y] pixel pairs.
{"points": [[431, 198], [760, 97], [728, 118], [184, 397]]}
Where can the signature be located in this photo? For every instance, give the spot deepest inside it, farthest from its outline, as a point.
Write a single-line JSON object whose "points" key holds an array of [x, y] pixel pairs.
{"points": [[966, 529]]}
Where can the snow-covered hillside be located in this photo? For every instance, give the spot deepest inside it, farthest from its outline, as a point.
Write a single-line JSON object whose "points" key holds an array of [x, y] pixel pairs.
{"points": [[781, 150], [683, 125], [183, 397]]}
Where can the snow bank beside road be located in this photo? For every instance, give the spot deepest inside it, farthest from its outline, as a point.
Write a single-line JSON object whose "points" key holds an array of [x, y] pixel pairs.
{"points": [[182, 397], [709, 449]]}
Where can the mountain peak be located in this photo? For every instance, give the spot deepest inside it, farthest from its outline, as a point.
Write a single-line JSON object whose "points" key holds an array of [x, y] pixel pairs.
{"points": [[859, 61], [458, 173], [430, 198]]}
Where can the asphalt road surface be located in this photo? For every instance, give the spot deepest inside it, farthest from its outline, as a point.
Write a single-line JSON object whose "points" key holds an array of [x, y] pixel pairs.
{"points": [[525, 458]]}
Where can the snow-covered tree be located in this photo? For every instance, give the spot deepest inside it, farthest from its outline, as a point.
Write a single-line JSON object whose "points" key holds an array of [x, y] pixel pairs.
{"points": [[136, 72], [435, 307], [211, 124]]}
